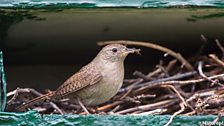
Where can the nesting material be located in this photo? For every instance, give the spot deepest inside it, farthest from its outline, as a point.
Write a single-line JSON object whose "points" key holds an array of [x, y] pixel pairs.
{"points": [[179, 87]]}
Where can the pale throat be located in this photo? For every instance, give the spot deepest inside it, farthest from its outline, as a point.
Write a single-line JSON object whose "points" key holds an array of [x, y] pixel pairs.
{"points": [[111, 69]]}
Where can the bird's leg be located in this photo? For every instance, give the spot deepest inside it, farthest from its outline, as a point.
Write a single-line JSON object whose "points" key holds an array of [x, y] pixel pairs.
{"points": [[83, 107]]}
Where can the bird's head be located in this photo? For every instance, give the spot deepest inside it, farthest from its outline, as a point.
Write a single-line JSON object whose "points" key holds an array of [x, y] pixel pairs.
{"points": [[116, 52]]}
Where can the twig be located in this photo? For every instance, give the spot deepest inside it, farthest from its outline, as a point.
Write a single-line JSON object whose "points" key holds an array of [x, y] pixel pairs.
{"points": [[144, 96], [203, 38], [155, 72], [200, 64], [133, 100], [178, 56], [163, 70], [220, 46], [115, 109], [83, 107], [56, 108], [161, 81], [171, 65], [30, 90], [215, 59], [130, 88], [109, 106], [177, 92], [22, 90], [154, 112], [153, 84], [182, 108], [14, 93], [205, 41], [215, 100], [144, 107], [141, 75], [116, 103]]}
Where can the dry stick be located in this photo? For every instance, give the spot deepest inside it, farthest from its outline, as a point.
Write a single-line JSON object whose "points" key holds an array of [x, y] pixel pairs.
{"points": [[136, 98], [177, 92], [216, 101], [14, 93], [200, 64], [208, 101], [202, 47], [215, 59], [24, 90], [171, 65], [155, 72], [144, 107], [150, 85], [133, 100], [144, 96], [21, 90], [203, 38], [200, 94], [117, 103], [141, 75], [154, 46], [56, 108], [154, 112], [109, 106], [163, 70], [220, 46], [161, 81], [82, 105], [115, 109], [131, 87], [182, 108], [30, 90], [127, 82]]}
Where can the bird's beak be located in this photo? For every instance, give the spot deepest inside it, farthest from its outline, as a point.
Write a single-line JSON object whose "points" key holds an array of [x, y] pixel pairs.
{"points": [[131, 50]]}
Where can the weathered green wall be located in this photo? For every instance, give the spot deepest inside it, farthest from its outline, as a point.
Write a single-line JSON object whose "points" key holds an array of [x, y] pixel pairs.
{"points": [[108, 3], [2, 84], [32, 118]]}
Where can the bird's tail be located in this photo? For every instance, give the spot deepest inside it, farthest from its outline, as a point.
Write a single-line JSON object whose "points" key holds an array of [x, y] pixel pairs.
{"points": [[35, 100]]}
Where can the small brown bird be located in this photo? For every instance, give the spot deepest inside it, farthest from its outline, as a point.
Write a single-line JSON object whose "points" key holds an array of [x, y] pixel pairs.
{"points": [[96, 82]]}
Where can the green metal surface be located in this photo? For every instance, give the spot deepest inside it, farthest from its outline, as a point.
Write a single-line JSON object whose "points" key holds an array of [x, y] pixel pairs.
{"points": [[108, 3], [2, 84], [32, 118]]}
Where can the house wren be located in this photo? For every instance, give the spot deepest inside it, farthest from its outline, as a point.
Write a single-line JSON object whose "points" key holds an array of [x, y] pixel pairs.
{"points": [[96, 82]]}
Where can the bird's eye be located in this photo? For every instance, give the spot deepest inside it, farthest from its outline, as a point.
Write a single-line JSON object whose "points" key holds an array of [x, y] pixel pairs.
{"points": [[114, 50]]}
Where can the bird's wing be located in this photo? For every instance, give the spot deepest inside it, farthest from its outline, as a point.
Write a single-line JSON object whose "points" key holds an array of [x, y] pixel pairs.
{"points": [[78, 81]]}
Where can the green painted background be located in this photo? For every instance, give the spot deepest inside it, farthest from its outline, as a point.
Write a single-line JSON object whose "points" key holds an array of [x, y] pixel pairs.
{"points": [[32, 118], [2, 85], [108, 3]]}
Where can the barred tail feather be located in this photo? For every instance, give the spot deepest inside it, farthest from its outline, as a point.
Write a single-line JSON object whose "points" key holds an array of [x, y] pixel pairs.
{"points": [[35, 100]]}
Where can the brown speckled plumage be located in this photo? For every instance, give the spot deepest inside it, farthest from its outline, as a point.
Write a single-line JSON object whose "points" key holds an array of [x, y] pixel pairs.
{"points": [[96, 82], [88, 75]]}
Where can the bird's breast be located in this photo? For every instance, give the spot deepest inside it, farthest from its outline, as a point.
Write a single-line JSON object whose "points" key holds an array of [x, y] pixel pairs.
{"points": [[106, 88]]}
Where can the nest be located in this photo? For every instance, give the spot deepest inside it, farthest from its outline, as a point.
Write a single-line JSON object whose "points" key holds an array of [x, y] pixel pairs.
{"points": [[171, 88]]}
